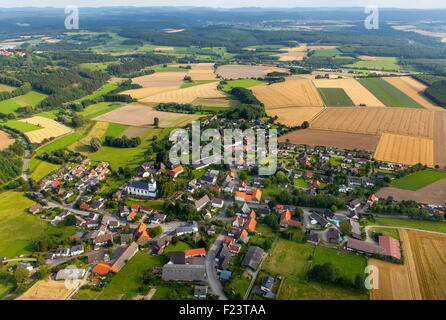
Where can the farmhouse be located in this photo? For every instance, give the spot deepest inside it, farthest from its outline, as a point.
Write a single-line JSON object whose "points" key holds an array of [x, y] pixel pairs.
{"points": [[125, 256], [253, 257], [201, 203], [253, 196], [391, 247], [364, 247], [184, 272], [175, 172], [143, 189]]}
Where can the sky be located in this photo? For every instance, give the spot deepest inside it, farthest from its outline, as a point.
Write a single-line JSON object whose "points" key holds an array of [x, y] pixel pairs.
{"points": [[228, 3]]}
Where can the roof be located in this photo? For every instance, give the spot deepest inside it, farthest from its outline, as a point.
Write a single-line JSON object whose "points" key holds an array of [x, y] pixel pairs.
{"points": [[267, 282], [177, 257], [101, 268], [253, 257], [139, 185], [126, 255], [201, 202], [250, 225], [285, 217], [195, 252], [391, 246], [364, 246], [185, 272], [321, 220], [104, 238], [225, 275]]}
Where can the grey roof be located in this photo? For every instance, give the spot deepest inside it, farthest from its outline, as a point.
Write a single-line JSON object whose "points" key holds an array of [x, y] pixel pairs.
{"points": [[217, 201], [225, 263], [201, 202], [184, 272], [139, 185], [364, 246], [312, 237], [200, 290], [126, 255], [223, 251], [245, 209], [328, 214], [253, 257], [321, 220], [333, 235], [77, 248], [177, 257], [267, 282]]}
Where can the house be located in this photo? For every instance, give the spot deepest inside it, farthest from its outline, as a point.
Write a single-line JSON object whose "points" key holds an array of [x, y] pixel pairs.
{"points": [[353, 205], [229, 184], [312, 238], [125, 256], [364, 247], [253, 196], [184, 272], [225, 275], [97, 205], [157, 218], [26, 266], [356, 229], [176, 257], [145, 169], [187, 229], [333, 235], [201, 203], [117, 196], [62, 252], [143, 189], [175, 171], [145, 210], [224, 264], [95, 257], [253, 257], [34, 209], [309, 174], [104, 240], [286, 221], [192, 186], [77, 250], [77, 236], [250, 225], [201, 252], [84, 206], [234, 248], [328, 214], [217, 203], [372, 199], [267, 284], [160, 244], [101, 269], [70, 274], [126, 238], [316, 218], [391, 247], [92, 224], [200, 292], [210, 178]]}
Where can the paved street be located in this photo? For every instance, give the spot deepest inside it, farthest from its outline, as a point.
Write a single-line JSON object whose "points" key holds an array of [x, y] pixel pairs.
{"points": [[213, 280]]}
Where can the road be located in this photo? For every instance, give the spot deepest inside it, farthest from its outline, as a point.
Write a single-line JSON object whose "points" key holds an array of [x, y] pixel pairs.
{"points": [[25, 161], [213, 281]]}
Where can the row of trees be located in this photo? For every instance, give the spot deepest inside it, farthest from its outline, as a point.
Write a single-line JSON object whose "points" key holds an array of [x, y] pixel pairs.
{"points": [[123, 142]]}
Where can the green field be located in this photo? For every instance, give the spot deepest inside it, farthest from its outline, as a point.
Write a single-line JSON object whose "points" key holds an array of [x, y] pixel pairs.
{"points": [[335, 97], [21, 126], [408, 223], [179, 246], [95, 110], [61, 143], [380, 63], [292, 260], [388, 94], [7, 283], [114, 130], [244, 83], [195, 83], [41, 169], [95, 66], [327, 53], [301, 183], [418, 180], [30, 99], [386, 232], [104, 90]]}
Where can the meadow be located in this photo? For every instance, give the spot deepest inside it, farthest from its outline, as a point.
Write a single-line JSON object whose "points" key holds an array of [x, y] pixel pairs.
{"points": [[61, 143], [114, 130], [376, 63], [243, 83], [418, 180], [327, 53], [21, 126], [335, 97], [104, 90], [409, 223], [388, 94], [95, 110]]}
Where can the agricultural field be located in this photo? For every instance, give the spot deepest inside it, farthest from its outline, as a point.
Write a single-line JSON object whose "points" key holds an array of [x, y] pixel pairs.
{"points": [[414, 89], [114, 130], [243, 83], [376, 63], [187, 95], [5, 140], [151, 91], [202, 71], [324, 52], [292, 54], [21, 126], [104, 90], [335, 97], [161, 79], [60, 143], [418, 180], [217, 102], [50, 129], [294, 116], [41, 169], [411, 122], [440, 138], [29, 99], [139, 115], [6, 88], [341, 140], [434, 193], [357, 93], [293, 93], [47, 290], [388, 94], [95, 110], [132, 132], [245, 71], [405, 149], [292, 260]]}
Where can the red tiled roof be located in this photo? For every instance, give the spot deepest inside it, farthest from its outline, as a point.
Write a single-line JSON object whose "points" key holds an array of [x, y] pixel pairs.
{"points": [[250, 225], [102, 269], [195, 252], [391, 246]]}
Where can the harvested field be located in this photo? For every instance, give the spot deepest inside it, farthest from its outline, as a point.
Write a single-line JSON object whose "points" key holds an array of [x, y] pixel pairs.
{"points": [[224, 103], [440, 138], [294, 116], [132, 132], [332, 139], [138, 115], [50, 129], [164, 49], [98, 129], [434, 193], [293, 93], [187, 95], [411, 122], [200, 71], [161, 79], [47, 290], [358, 93], [147, 92], [413, 89], [300, 48], [5, 140], [245, 71], [320, 47], [291, 56], [405, 149]]}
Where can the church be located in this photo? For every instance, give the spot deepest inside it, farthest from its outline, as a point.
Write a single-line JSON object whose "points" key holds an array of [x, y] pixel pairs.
{"points": [[143, 189]]}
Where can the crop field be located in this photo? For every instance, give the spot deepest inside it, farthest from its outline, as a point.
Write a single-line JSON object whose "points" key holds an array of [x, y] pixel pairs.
{"points": [[30, 99], [245, 71], [218, 102], [357, 93], [325, 52], [418, 180], [243, 83], [414, 89], [342, 140], [388, 94], [5, 87], [161, 79], [5, 140], [405, 149], [293, 93], [138, 115], [335, 97], [202, 71], [131, 132], [104, 90], [98, 130], [411, 122], [114, 130], [291, 55], [147, 92], [95, 110], [187, 95], [61, 143], [50, 129], [434, 193], [47, 290], [318, 47], [21, 126], [294, 116], [440, 139], [376, 63]]}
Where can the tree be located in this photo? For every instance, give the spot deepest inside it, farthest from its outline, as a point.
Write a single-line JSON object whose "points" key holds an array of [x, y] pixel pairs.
{"points": [[346, 227], [21, 276], [95, 143], [156, 121], [154, 232], [299, 213], [333, 208], [42, 273], [70, 220]]}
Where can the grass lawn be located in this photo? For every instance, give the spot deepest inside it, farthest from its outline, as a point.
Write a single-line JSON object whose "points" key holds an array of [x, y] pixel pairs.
{"points": [[386, 232], [301, 183], [408, 223], [95, 66], [21, 126], [388, 94], [418, 180], [270, 192], [29, 99], [244, 83], [8, 106], [61, 143], [199, 173], [95, 110], [42, 169], [114, 130], [334, 161], [5, 87], [349, 264], [379, 63], [179, 246], [292, 260], [335, 97], [20, 229], [7, 283], [125, 283]]}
